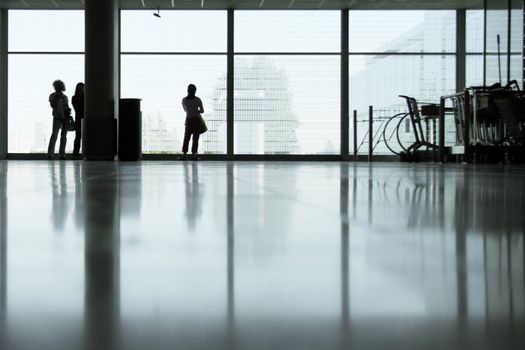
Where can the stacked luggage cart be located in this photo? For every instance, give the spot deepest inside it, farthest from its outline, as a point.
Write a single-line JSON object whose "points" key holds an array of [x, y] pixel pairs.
{"points": [[489, 124], [422, 119]]}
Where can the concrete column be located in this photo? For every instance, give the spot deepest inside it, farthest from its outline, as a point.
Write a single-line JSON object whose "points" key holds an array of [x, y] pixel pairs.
{"points": [[3, 83], [99, 133]]}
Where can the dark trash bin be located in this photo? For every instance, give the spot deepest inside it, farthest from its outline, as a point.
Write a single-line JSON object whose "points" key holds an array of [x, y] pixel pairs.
{"points": [[129, 129]]}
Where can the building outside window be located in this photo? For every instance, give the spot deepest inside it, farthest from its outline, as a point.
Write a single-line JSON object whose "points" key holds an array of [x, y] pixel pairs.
{"points": [[396, 53]]}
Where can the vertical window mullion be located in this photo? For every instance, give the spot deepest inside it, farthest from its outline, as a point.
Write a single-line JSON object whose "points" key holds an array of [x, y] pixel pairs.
{"points": [[460, 49], [230, 85], [3, 82], [484, 42], [344, 71], [509, 30]]}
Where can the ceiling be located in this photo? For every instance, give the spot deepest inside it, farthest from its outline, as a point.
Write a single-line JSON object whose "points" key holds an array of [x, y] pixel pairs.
{"points": [[252, 4]]}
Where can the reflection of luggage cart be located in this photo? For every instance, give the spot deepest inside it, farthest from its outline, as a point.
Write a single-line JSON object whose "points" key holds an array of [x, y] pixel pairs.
{"points": [[420, 136]]}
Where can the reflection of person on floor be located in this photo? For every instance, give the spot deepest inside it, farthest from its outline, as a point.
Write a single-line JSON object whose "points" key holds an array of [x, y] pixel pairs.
{"points": [[59, 104], [192, 194], [79, 204], [59, 207], [78, 104], [193, 107]]}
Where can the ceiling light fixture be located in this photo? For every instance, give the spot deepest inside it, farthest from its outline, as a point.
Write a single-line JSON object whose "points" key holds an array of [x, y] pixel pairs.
{"points": [[158, 12]]}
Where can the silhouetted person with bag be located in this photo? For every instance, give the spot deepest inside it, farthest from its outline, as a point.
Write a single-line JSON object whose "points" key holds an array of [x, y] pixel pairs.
{"points": [[78, 105], [193, 127], [61, 111]]}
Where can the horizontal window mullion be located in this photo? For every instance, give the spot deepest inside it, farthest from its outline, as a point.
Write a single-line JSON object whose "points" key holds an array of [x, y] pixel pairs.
{"points": [[167, 53], [287, 53], [45, 52], [402, 53], [503, 53], [261, 53]]}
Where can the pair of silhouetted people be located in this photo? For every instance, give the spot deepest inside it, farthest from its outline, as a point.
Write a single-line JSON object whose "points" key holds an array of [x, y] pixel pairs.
{"points": [[194, 123], [61, 116]]}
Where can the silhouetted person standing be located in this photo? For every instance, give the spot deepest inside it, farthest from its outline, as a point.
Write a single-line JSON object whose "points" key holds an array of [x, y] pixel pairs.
{"points": [[78, 105], [193, 107], [61, 110]]}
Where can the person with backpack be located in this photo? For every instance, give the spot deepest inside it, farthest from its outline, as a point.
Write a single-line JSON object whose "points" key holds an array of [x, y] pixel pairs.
{"points": [[61, 112]]}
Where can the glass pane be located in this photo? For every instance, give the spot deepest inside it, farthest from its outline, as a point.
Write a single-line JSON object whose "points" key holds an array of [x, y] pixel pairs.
{"points": [[474, 70], [287, 31], [497, 22], [161, 82], [378, 80], [516, 26], [516, 68], [402, 31], [287, 105], [496, 69], [30, 83], [474, 31], [61, 31], [176, 31]]}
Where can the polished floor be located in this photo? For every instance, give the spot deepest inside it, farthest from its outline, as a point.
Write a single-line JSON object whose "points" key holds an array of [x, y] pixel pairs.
{"points": [[253, 255]]}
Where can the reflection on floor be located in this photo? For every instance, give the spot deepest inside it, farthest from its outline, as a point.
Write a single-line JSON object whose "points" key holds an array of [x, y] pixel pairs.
{"points": [[213, 255]]}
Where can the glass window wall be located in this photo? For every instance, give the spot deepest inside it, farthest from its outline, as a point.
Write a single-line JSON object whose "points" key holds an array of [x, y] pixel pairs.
{"points": [[43, 46], [175, 31], [160, 57], [287, 31], [402, 31], [286, 71], [474, 47], [161, 82], [396, 53], [287, 89]]}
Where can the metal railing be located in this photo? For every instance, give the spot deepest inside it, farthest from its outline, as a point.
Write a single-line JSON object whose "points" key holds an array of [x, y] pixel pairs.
{"points": [[382, 132]]}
